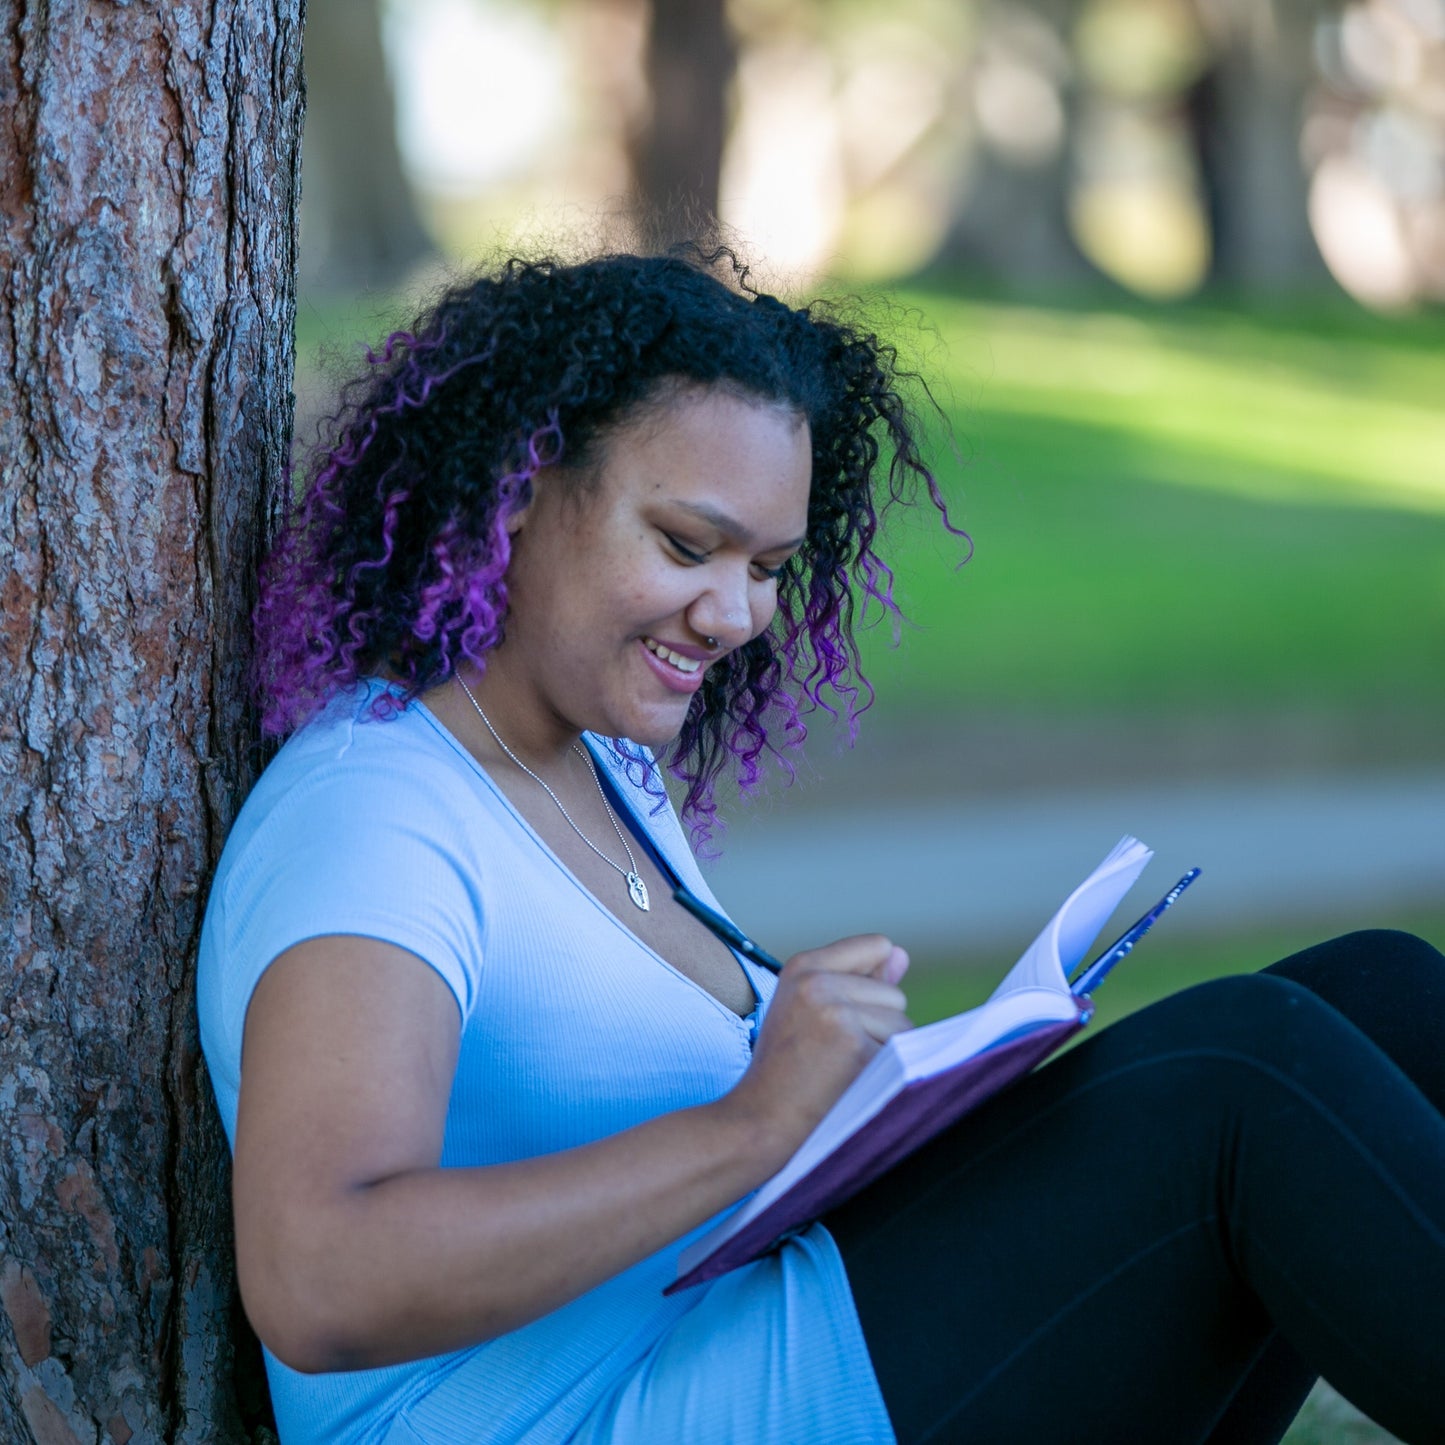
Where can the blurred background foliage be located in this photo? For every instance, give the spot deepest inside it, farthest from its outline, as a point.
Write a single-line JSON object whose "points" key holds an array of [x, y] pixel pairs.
{"points": [[1174, 270], [1167, 145], [1176, 265]]}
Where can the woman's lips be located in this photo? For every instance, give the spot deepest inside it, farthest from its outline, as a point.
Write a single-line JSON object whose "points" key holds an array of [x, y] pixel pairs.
{"points": [[672, 676]]}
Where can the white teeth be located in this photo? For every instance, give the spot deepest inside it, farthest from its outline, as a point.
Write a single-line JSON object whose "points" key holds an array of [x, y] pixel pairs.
{"points": [[681, 663]]}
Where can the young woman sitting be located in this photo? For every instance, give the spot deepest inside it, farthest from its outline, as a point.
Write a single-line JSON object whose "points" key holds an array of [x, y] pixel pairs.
{"points": [[484, 1078]]}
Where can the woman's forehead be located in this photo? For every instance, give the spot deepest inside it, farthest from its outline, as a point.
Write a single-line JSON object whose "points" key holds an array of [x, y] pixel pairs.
{"points": [[678, 399], [718, 430], [738, 465]]}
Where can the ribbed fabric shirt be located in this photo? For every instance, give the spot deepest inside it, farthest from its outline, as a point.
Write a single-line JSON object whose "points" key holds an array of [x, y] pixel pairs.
{"points": [[571, 1029]]}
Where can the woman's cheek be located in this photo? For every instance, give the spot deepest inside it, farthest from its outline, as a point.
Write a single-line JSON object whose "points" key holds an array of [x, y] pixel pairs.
{"points": [[765, 609]]}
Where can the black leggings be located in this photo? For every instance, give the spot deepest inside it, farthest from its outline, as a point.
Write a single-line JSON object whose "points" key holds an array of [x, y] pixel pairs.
{"points": [[1167, 1233]]}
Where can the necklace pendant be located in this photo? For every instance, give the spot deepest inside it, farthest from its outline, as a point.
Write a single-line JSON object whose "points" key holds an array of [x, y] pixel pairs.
{"points": [[637, 891]]}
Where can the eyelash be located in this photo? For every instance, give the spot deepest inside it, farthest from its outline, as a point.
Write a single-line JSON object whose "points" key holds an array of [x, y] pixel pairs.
{"points": [[688, 555]]}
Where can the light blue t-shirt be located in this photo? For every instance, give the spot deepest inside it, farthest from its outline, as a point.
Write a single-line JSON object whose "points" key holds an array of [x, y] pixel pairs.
{"points": [[571, 1029]]}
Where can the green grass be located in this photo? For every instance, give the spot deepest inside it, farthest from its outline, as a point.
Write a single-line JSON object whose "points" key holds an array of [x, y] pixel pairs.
{"points": [[1329, 1420], [1179, 510]]}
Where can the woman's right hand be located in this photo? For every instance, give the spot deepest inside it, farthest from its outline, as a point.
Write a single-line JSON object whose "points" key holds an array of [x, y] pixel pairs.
{"points": [[834, 1009]]}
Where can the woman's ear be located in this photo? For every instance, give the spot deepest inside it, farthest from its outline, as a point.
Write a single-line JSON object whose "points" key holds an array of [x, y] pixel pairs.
{"points": [[516, 517]]}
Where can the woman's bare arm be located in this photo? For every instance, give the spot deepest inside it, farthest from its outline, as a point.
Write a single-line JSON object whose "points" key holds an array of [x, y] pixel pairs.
{"points": [[355, 1249]]}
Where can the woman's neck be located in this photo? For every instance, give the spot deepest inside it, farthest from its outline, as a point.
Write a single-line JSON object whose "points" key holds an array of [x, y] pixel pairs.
{"points": [[484, 715]]}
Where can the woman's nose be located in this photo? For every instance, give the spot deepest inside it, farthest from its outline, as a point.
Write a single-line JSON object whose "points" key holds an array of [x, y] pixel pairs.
{"points": [[724, 614]]}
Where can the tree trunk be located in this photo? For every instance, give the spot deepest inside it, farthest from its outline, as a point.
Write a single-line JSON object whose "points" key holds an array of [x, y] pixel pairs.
{"points": [[1246, 114], [359, 218], [677, 160], [148, 188], [1011, 227]]}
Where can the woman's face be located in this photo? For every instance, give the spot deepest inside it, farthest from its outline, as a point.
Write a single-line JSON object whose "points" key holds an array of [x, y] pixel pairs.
{"points": [[616, 588]]}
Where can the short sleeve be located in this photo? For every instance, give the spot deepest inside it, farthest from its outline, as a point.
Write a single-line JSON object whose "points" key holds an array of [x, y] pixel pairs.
{"points": [[351, 848]]}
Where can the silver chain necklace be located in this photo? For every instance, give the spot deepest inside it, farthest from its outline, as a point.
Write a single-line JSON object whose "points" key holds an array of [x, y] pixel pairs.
{"points": [[636, 888]]}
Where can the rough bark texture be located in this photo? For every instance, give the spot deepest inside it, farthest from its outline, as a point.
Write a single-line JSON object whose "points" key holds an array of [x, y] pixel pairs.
{"points": [[148, 187]]}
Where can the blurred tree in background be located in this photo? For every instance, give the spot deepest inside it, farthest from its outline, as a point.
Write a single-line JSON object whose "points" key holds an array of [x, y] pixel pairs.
{"points": [[359, 222], [1161, 145], [677, 154], [1245, 111]]}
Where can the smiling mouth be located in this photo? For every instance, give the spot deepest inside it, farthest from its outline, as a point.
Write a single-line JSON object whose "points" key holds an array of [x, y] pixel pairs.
{"points": [[688, 666]]}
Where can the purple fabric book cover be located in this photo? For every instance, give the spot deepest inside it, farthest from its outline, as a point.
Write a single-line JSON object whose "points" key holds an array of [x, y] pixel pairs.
{"points": [[913, 1116]]}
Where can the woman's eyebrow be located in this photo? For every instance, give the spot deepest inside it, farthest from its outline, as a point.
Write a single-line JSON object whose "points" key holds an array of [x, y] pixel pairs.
{"points": [[730, 527]]}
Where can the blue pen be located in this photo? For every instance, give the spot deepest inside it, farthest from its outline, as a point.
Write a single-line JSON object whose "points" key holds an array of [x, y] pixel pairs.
{"points": [[717, 925], [1122, 946]]}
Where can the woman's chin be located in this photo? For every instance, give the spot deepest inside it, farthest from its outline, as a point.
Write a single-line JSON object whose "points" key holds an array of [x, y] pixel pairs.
{"points": [[654, 728], [656, 740]]}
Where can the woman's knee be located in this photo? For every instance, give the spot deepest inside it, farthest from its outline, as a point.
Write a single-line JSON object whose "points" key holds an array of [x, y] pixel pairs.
{"points": [[1286, 1025], [1243, 1002], [1371, 974], [1391, 986], [1366, 951], [1248, 1015]]}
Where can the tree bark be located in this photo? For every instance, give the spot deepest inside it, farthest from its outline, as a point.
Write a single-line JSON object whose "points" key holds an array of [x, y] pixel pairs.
{"points": [[148, 190]]}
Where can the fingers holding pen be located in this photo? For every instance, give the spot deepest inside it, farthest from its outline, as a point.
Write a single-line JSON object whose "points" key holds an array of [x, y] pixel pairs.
{"points": [[834, 1008], [863, 971], [860, 1007]]}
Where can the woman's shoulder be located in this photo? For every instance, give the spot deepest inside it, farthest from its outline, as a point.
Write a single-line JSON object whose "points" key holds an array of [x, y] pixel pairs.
{"points": [[363, 824], [368, 731], [357, 771]]}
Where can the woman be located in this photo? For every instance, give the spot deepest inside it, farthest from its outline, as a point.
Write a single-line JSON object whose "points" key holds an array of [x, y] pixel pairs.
{"points": [[494, 1078]]}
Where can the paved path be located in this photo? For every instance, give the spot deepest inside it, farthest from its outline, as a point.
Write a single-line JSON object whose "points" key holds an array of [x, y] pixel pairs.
{"points": [[1349, 851]]}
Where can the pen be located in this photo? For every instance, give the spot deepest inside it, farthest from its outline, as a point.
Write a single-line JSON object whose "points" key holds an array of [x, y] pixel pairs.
{"points": [[1122, 946], [719, 927]]}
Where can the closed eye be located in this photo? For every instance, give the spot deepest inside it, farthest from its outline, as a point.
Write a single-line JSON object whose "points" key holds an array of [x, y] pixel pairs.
{"points": [[687, 554]]}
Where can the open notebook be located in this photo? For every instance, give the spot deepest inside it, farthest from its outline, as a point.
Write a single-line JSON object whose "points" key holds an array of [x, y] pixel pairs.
{"points": [[925, 1078]]}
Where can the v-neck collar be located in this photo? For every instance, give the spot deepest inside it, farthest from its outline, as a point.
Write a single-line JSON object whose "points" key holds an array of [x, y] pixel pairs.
{"points": [[639, 830]]}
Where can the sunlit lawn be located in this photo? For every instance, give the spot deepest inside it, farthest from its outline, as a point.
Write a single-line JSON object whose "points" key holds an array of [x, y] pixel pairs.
{"points": [[1194, 508]]}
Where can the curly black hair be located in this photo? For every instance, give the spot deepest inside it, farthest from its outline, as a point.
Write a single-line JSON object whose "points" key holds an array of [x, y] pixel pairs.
{"points": [[394, 559]]}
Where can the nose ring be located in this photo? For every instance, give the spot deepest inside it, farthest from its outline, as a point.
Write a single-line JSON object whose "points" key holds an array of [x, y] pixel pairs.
{"points": [[711, 643]]}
